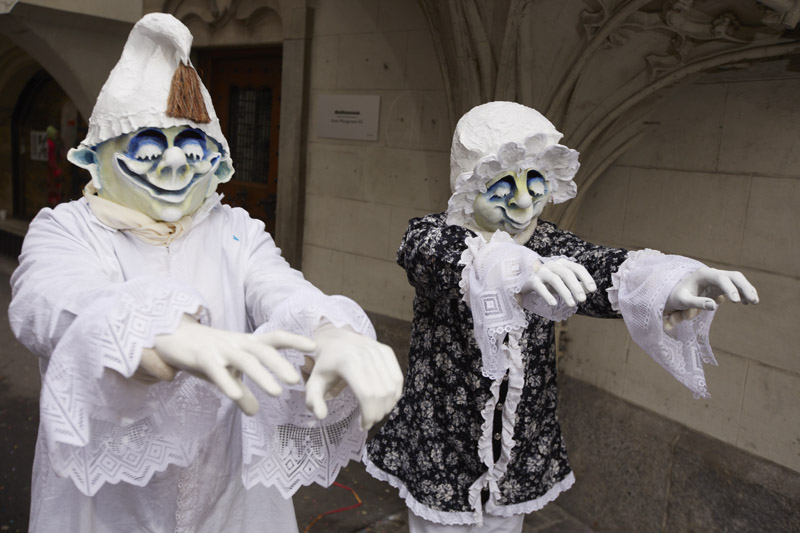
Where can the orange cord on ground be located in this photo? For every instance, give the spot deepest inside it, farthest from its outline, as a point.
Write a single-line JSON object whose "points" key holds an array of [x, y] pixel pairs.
{"points": [[317, 519]]}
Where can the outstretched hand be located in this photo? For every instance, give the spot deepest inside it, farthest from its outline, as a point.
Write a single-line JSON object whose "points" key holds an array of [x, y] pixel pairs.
{"points": [[704, 290], [221, 357], [367, 366], [571, 281]]}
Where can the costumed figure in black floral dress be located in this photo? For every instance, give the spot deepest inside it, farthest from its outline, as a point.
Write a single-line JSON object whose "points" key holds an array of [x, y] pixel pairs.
{"points": [[475, 444]]}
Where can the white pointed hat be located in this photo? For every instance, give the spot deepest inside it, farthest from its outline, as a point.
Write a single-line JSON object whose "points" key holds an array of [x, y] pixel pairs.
{"points": [[153, 85]]}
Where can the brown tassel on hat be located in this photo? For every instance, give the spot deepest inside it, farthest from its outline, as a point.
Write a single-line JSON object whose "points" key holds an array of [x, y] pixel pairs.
{"points": [[185, 96]]}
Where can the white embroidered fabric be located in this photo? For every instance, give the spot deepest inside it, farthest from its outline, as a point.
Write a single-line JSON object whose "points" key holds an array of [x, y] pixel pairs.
{"points": [[494, 272], [97, 433], [94, 432], [639, 290], [496, 471], [284, 445]]}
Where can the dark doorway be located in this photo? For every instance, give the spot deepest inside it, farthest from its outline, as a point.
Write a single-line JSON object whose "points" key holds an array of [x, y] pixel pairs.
{"points": [[245, 86], [45, 125]]}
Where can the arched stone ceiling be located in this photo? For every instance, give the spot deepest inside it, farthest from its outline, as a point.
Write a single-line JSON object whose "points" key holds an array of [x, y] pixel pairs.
{"points": [[597, 68]]}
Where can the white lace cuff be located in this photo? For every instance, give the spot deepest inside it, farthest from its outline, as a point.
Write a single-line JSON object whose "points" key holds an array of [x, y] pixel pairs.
{"points": [[284, 445], [536, 304], [101, 427], [639, 290], [494, 272]]}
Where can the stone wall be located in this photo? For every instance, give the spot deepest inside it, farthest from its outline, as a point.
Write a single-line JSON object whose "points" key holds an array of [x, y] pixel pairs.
{"points": [[716, 178], [361, 194]]}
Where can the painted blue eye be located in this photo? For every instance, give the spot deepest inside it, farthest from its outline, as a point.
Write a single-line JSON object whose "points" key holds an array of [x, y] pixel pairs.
{"points": [[501, 188], [537, 185], [147, 145], [193, 144]]}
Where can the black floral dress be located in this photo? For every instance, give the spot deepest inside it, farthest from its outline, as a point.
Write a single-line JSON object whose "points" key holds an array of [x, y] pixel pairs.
{"points": [[428, 448]]}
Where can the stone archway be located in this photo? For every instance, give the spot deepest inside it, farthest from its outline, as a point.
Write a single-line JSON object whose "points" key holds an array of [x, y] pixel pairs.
{"points": [[16, 68], [598, 68]]}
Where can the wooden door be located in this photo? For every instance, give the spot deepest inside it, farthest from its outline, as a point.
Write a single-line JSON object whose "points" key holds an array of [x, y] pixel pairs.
{"points": [[245, 86]]}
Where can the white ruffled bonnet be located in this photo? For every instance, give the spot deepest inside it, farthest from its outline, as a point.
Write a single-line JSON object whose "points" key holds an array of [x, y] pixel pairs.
{"points": [[137, 90], [499, 136]]}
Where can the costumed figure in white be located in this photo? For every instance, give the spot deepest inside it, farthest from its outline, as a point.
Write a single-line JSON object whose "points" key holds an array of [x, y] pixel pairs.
{"points": [[158, 313], [474, 443]]}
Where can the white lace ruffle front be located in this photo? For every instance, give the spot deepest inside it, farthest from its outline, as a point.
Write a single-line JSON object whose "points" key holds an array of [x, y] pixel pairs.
{"points": [[493, 275], [639, 290]]}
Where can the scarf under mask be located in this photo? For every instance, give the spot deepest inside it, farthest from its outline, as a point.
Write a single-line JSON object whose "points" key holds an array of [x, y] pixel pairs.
{"points": [[134, 222]]}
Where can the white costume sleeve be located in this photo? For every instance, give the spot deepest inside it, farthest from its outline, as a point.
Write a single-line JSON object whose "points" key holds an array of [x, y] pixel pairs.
{"points": [[639, 290], [69, 305], [284, 445]]}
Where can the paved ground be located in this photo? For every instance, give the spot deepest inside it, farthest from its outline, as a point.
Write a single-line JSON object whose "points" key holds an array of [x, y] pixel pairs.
{"points": [[381, 512]]}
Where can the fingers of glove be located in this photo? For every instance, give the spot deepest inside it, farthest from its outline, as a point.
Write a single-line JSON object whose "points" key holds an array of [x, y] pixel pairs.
{"points": [[335, 389], [724, 284], [746, 289], [394, 368], [253, 369], [689, 301], [583, 275], [315, 396], [571, 280], [377, 388], [155, 366], [284, 339], [219, 376], [555, 282], [274, 361], [538, 286], [365, 394], [248, 402]]}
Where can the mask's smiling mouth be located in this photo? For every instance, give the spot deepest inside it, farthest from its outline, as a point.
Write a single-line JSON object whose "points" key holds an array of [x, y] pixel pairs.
{"points": [[172, 196], [516, 224]]}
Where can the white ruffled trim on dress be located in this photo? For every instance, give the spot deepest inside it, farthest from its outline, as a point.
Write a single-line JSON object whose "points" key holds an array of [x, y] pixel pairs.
{"points": [[284, 445], [450, 518], [639, 290], [94, 434], [533, 505], [557, 164], [493, 274]]}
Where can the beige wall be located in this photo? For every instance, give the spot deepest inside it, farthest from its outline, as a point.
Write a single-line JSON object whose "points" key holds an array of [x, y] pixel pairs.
{"points": [[718, 179], [360, 195], [125, 11]]}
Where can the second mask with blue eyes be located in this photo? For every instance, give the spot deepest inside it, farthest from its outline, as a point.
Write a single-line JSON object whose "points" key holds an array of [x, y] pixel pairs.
{"points": [[513, 201], [164, 173]]}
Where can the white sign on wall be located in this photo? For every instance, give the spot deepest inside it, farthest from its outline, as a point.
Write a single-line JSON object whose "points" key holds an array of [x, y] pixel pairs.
{"points": [[348, 116]]}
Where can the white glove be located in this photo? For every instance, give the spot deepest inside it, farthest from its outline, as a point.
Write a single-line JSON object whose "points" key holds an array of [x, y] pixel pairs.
{"points": [[367, 366], [704, 290], [571, 281], [222, 356]]}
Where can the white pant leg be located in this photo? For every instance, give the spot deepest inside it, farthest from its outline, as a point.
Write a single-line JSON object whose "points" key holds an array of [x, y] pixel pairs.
{"points": [[491, 524]]}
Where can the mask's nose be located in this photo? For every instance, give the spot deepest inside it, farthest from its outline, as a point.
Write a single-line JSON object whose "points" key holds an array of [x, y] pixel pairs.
{"points": [[173, 164], [522, 197]]}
